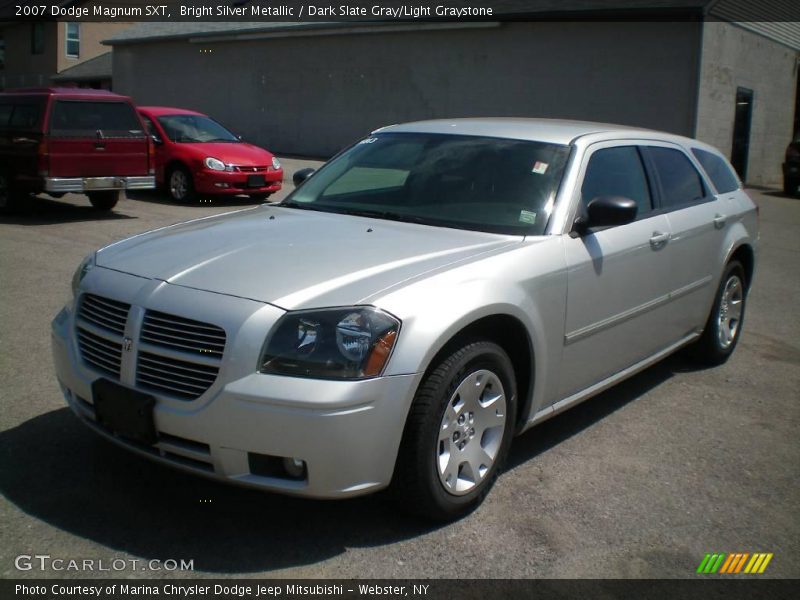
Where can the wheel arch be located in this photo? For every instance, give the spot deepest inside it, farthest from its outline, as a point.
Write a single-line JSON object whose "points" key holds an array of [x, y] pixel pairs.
{"points": [[511, 334], [745, 254]]}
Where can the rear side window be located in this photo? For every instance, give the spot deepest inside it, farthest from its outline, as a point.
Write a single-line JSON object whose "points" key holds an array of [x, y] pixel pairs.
{"points": [[718, 170], [5, 114], [617, 172], [82, 119], [680, 182], [25, 116]]}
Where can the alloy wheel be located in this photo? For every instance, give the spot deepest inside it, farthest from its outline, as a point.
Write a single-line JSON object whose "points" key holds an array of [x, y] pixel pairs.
{"points": [[178, 184], [730, 311], [471, 432]]}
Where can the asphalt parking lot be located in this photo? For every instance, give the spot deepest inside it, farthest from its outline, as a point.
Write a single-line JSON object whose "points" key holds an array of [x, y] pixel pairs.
{"points": [[641, 481]]}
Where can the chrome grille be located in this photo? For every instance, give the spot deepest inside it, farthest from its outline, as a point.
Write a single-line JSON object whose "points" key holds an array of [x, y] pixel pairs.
{"points": [[104, 313], [178, 356], [182, 334], [100, 327]]}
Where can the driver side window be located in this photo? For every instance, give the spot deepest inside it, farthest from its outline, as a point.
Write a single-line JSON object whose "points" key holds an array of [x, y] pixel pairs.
{"points": [[617, 172]]}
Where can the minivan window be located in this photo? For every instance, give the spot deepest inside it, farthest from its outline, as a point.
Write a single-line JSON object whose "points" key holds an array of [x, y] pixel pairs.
{"points": [[718, 170], [681, 184], [25, 117], [617, 172], [72, 118]]}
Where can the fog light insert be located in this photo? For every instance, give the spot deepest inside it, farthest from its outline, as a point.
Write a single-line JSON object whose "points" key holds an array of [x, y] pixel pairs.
{"points": [[221, 185], [279, 467]]}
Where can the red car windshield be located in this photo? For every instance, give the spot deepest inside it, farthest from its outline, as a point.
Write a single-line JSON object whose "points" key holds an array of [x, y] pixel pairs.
{"points": [[194, 129]]}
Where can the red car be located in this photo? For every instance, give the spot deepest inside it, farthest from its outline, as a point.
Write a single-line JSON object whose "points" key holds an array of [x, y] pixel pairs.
{"points": [[196, 156]]}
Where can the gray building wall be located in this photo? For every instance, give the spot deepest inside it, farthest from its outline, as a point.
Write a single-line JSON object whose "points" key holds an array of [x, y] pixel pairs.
{"points": [[734, 57], [312, 95]]}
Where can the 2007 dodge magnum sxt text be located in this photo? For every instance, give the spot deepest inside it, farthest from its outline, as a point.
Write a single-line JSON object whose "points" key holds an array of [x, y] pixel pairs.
{"points": [[428, 293]]}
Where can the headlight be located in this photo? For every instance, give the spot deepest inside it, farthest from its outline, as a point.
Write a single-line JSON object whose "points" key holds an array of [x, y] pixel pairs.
{"points": [[216, 164], [276, 164], [86, 265], [339, 343]]}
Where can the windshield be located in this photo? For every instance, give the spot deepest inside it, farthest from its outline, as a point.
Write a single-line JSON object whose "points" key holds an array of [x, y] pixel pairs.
{"points": [[484, 184], [195, 128]]}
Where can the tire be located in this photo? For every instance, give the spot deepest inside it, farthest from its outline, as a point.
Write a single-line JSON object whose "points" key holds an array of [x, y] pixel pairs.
{"points": [[103, 200], [180, 185], [10, 198], [724, 326], [450, 436], [790, 186], [260, 197]]}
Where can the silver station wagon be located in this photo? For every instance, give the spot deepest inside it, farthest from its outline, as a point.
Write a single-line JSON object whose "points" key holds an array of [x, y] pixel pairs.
{"points": [[430, 292]]}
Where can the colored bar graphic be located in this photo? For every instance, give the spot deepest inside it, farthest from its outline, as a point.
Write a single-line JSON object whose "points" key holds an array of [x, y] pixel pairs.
{"points": [[734, 562]]}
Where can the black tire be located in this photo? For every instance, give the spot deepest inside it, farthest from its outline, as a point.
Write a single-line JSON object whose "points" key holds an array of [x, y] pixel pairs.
{"points": [[714, 348], [417, 484], [10, 197], [260, 197], [790, 186], [180, 185], [105, 200]]}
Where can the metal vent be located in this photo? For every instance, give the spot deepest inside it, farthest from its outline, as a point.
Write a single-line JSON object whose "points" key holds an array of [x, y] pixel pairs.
{"points": [[100, 327], [178, 356]]}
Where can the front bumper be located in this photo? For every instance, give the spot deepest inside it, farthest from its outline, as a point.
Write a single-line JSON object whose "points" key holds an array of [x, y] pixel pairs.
{"points": [[223, 182], [93, 184], [347, 432]]}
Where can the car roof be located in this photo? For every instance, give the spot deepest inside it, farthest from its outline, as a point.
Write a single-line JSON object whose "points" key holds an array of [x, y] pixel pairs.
{"points": [[64, 91], [554, 131], [159, 111]]}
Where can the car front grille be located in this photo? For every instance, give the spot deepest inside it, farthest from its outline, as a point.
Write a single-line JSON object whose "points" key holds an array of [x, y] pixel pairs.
{"points": [[178, 356], [240, 169], [100, 327]]}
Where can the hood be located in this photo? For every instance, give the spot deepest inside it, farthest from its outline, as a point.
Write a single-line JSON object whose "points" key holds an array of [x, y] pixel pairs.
{"points": [[295, 258], [234, 153]]}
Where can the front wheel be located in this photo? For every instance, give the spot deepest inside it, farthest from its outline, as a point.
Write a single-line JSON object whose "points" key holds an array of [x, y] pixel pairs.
{"points": [[104, 200], [10, 198], [180, 185], [790, 186], [724, 325], [458, 432]]}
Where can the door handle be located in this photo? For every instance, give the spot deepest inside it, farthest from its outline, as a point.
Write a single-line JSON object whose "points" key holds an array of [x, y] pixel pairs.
{"points": [[659, 240], [23, 140], [719, 221]]}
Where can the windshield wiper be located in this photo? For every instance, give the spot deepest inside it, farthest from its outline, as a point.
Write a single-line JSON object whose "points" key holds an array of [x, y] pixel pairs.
{"points": [[386, 214]]}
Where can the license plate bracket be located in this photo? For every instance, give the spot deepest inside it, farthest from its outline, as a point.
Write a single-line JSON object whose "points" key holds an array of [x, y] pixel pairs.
{"points": [[256, 181], [126, 412]]}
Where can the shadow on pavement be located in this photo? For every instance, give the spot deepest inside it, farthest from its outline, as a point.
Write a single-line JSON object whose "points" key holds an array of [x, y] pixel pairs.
{"points": [[58, 471], [46, 211]]}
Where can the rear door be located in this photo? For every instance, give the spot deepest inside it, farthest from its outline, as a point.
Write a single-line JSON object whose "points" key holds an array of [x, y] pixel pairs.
{"points": [[698, 220], [96, 138]]}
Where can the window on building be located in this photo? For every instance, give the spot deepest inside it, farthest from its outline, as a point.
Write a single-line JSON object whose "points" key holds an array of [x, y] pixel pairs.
{"points": [[73, 39], [718, 170], [617, 172], [681, 184], [37, 38]]}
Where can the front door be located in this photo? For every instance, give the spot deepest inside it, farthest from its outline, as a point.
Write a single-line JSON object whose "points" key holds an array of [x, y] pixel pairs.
{"points": [[618, 277]]}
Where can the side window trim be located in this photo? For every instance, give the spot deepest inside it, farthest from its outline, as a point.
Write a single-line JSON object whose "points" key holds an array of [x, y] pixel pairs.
{"points": [[708, 191]]}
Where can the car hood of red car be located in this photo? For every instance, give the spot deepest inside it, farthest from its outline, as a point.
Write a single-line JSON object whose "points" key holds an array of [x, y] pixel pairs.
{"points": [[232, 153]]}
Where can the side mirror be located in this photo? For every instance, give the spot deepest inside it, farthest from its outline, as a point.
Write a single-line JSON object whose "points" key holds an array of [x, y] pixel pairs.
{"points": [[606, 211], [300, 176], [156, 139], [240, 137]]}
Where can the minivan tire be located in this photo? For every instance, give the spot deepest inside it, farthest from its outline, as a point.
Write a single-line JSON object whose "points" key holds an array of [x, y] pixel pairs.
{"points": [[423, 481], [10, 198], [105, 200], [790, 186]]}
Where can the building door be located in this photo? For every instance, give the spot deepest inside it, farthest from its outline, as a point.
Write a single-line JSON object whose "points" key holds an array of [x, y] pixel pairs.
{"points": [[741, 131]]}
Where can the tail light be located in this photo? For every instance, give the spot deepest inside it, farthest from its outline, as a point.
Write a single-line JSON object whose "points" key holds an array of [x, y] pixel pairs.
{"points": [[43, 158], [151, 156]]}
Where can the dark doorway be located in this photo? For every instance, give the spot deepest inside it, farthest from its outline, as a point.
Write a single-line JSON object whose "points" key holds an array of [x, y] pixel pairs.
{"points": [[741, 131]]}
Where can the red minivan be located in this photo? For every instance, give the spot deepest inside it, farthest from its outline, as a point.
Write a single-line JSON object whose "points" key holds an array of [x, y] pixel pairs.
{"points": [[59, 140]]}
